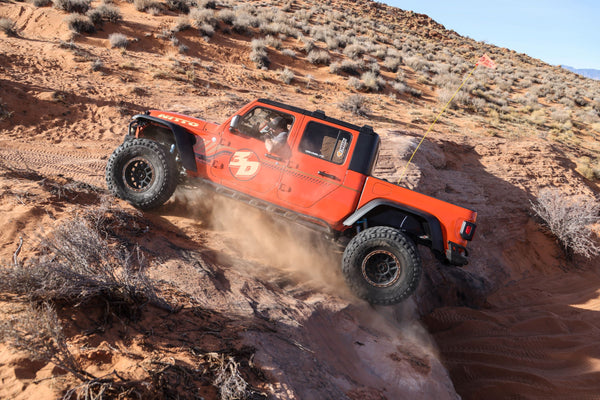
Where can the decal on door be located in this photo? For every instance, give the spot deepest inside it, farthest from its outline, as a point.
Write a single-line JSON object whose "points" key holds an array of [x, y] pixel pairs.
{"points": [[244, 165]]}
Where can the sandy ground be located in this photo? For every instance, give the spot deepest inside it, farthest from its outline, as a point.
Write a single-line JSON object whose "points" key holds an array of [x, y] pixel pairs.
{"points": [[519, 321]]}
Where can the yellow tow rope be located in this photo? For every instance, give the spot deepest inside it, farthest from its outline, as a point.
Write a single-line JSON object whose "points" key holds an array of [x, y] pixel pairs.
{"points": [[435, 120]]}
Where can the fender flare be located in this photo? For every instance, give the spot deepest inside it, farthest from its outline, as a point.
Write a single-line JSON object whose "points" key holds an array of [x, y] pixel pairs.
{"points": [[184, 139], [433, 226]]}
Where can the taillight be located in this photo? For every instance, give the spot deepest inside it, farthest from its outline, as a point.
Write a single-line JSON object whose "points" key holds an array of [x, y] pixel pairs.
{"points": [[467, 230]]}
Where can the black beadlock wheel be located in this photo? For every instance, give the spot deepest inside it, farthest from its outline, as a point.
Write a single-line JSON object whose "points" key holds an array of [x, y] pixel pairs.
{"points": [[382, 265], [142, 172]]}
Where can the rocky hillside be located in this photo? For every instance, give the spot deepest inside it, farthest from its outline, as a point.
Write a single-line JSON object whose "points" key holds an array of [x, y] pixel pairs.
{"points": [[196, 299]]}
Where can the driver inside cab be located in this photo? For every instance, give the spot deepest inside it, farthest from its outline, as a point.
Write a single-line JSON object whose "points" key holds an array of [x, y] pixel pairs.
{"points": [[277, 134]]}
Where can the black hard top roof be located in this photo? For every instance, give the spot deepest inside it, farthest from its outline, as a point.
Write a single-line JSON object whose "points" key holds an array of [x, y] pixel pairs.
{"points": [[319, 115]]}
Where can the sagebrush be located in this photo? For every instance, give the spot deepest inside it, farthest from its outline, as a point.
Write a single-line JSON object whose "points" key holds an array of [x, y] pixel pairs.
{"points": [[570, 219]]}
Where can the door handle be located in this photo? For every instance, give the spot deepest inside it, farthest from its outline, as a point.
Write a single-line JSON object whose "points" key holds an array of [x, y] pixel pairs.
{"points": [[273, 157], [326, 175], [285, 188], [216, 164], [224, 142]]}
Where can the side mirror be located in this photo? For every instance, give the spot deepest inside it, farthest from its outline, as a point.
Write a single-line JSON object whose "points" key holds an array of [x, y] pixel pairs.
{"points": [[235, 122]]}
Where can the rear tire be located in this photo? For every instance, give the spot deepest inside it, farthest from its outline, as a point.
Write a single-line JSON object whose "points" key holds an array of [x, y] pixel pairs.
{"points": [[382, 265], [142, 172]]}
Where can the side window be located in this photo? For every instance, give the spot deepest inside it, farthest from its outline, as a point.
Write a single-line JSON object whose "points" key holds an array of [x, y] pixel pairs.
{"points": [[325, 142], [255, 122]]}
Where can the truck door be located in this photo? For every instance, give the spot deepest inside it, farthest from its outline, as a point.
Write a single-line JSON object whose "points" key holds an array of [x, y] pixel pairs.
{"points": [[317, 166], [242, 162]]}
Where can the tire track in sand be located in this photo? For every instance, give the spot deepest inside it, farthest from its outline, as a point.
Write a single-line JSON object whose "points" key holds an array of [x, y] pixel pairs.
{"points": [[81, 165]]}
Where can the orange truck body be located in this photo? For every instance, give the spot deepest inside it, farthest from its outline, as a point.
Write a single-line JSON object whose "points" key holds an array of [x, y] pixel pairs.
{"points": [[334, 193]]}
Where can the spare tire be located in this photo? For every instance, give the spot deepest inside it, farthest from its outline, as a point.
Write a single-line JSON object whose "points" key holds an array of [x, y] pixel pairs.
{"points": [[142, 172], [382, 265]]}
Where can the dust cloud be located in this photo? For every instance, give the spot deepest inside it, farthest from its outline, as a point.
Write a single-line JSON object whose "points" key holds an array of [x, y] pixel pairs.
{"points": [[268, 242]]}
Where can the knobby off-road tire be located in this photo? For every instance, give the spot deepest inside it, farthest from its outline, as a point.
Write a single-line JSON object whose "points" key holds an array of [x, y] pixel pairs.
{"points": [[382, 265], [142, 172]]}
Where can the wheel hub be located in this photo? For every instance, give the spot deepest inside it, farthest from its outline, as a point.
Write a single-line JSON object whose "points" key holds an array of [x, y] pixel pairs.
{"points": [[138, 174], [381, 268]]}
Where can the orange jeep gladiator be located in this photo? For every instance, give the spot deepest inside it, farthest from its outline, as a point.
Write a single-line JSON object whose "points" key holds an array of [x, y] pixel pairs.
{"points": [[303, 166]]}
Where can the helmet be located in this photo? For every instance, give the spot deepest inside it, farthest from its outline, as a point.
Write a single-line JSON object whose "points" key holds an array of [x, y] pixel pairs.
{"points": [[278, 122]]}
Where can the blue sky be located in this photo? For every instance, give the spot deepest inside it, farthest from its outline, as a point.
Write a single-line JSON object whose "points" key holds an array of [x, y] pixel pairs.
{"points": [[564, 32]]}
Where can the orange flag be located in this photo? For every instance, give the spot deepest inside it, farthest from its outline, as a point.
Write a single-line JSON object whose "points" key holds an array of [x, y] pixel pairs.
{"points": [[486, 61]]}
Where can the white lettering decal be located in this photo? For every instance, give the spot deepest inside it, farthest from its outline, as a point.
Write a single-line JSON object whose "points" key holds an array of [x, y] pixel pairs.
{"points": [[176, 119], [246, 167]]}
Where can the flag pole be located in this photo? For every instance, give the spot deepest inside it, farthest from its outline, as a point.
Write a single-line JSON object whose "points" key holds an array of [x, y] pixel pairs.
{"points": [[484, 60]]}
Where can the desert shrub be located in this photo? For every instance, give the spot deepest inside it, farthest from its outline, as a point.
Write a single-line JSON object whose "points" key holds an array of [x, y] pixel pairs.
{"points": [[273, 42], [354, 50], [348, 66], [275, 28], [182, 24], [72, 6], [97, 64], [418, 63], [36, 330], [356, 104], [41, 3], [227, 377], [206, 30], [286, 75], [202, 16], [80, 23], [212, 4], [178, 5], [244, 21], [118, 40], [355, 83], [105, 12], [569, 218], [372, 81], [308, 45], [332, 42], [560, 115], [400, 87], [8, 26], [538, 117], [318, 57], [259, 55], [4, 113], [289, 53], [392, 63], [226, 15], [147, 5]]}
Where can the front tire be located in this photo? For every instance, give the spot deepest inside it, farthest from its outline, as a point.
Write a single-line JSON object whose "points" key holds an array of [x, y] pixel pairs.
{"points": [[382, 265], [142, 172]]}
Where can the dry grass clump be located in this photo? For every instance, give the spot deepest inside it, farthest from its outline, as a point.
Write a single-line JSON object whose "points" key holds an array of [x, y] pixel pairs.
{"points": [[372, 81], [72, 6], [569, 218], [259, 55], [105, 12], [80, 23], [286, 75], [203, 16], [8, 26], [4, 112], [227, 377], [318, 57], [77, 264], [350, 67], [179, 5], [150, 6], [41, 3], [36, 330], [118, 40], [355, 104]]}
